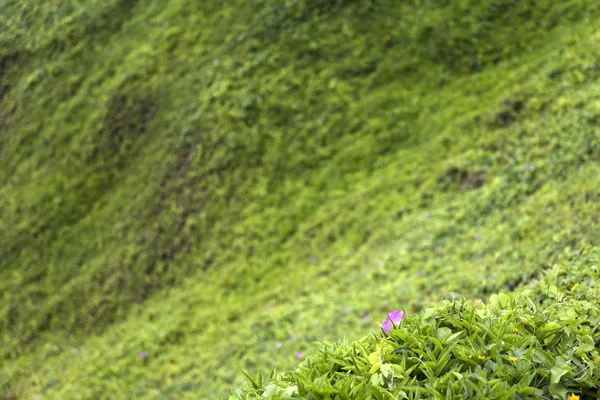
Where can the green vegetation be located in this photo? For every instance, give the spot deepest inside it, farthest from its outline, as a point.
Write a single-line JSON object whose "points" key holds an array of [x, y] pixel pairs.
{"points": [[515, 347], [205, 181]]}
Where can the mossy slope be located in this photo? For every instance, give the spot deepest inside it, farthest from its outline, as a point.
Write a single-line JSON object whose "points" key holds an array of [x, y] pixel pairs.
{"points": [[169, 171]]}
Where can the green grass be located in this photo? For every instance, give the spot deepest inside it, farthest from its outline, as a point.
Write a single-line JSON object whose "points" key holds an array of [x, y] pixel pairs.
{"points": [[167, 172]]}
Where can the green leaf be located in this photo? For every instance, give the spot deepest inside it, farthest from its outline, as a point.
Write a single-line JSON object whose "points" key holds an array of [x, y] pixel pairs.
{"points": [[558, 391], [559, 370]]}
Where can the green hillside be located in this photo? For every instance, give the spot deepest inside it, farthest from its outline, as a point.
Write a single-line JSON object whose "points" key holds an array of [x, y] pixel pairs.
{"points": [[219, 185]]}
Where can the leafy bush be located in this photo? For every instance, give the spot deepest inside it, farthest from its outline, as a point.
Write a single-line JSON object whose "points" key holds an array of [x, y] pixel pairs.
{"points": [[516, 346]]}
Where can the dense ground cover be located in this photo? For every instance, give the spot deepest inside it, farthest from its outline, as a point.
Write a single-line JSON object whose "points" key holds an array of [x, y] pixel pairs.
{"points": [[539, 342], [221, 185]]}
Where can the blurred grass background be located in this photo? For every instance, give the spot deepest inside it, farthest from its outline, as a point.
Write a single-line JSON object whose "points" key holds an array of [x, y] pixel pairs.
{"points": [[201, 181]]}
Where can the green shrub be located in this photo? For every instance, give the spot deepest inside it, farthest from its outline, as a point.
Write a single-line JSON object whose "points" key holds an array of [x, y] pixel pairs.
{"points": [[545, 344]]}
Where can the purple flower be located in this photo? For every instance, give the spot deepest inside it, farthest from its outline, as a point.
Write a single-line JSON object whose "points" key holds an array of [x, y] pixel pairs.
{"points": [[299, 355], [144, 355], [394, 317], [439, 249], [292, 336], [278, 344], [528, 167], [366, 317], [345, 310], [421, 272], [313, 260]]}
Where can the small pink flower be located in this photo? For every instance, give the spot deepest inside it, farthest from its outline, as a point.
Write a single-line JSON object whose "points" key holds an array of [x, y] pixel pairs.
{"points": [[313, 260], [439, 249], [292, 336], [366, 317], [421, 272], [345, 310], [143, 355], [396, 317], [299, 355], [278, 344], [528, 167]]}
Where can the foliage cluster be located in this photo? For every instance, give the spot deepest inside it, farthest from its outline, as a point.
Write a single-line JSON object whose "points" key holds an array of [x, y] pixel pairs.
{"points": [[513, 347]]}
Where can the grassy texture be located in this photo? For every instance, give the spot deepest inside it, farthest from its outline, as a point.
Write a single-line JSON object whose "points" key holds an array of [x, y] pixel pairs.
{"points": [[200, 181]]}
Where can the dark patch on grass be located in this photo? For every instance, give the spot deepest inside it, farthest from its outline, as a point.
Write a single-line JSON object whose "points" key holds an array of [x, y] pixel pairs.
{"points": [[464, 179], [5, 63], [10, 395], [592, 197], [175, 174], [555, 74], [171, 241], [125, 121], [521, 280], [509, 113]]}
